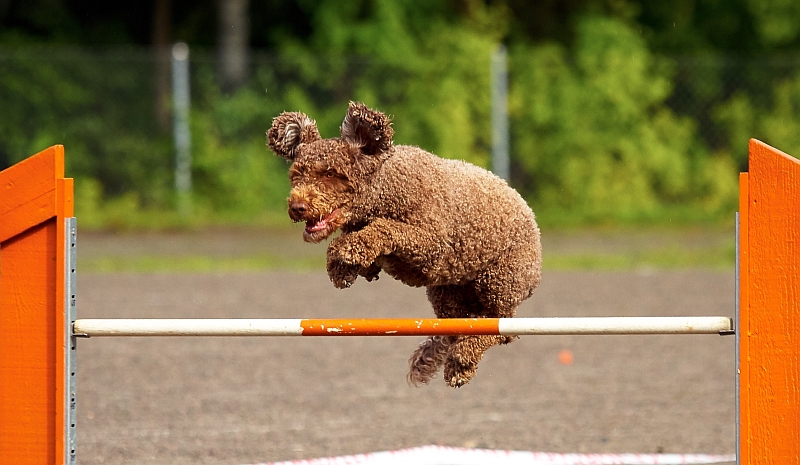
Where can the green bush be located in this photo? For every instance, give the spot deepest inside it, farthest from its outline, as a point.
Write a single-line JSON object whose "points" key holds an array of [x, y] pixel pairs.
{"points": [[594, 136], [774, 119], [594, 139], [92, 102]]}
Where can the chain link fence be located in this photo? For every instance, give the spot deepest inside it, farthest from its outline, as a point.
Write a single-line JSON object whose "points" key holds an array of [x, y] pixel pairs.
{"points": [[707, 89], [111, 108]]}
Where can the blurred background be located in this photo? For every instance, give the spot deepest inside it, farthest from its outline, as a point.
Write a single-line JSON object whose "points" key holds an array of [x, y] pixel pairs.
{"points": [[626, 123], [619, 112]]}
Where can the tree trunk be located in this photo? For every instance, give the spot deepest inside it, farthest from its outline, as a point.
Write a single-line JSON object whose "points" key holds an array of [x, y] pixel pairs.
{"points": [[161, 49], [234, 35]]}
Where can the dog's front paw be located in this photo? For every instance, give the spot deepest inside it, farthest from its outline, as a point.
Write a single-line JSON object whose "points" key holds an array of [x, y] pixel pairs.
{"points": [[371, 273], [341, 274], [352, 249]]}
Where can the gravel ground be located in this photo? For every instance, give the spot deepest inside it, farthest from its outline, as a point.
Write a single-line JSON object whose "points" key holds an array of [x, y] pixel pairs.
{"points": [[232, 401]]}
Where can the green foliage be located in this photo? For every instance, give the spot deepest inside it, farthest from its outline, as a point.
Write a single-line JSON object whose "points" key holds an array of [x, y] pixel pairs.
{"points": [[605, 126], [429, 73], [774, 119], [776, 20], [234, 173], [83, 100], [593, 132]]}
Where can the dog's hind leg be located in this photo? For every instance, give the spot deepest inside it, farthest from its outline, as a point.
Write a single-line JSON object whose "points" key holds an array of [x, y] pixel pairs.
{"points": [[498, 292], [449, 301], [461, 362]]}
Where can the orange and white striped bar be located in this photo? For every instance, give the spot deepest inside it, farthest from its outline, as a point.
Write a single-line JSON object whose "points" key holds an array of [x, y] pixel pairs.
{"points": [[403, 327]]}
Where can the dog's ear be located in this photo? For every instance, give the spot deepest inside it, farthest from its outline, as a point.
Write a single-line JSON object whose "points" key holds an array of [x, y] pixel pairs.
{"points": [[369, 129], [290, 129]]}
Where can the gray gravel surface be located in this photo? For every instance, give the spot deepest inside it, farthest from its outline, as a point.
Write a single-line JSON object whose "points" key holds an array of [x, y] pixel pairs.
{"points": [[246, 400]]}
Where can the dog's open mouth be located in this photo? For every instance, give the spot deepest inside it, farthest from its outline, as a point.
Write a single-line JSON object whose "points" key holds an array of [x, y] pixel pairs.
{"points": [[320, 226]]}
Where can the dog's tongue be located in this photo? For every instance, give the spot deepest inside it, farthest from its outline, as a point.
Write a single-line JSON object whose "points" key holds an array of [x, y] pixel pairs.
{"points": [[321, 224], [314, 226]]}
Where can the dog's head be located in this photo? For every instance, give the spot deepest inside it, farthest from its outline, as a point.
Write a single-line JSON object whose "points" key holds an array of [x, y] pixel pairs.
{"points": [[328, 174]]}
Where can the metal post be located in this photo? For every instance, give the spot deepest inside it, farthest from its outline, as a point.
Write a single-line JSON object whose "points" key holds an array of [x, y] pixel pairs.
{"points": [[737, 323], [182, 133], [500, 163], [71, 357]]}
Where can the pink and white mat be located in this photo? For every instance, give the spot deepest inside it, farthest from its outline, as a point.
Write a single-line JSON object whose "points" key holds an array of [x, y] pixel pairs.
{"points": [[439, 455]]}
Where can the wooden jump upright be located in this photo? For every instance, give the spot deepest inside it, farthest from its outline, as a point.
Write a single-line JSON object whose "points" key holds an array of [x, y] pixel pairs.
{"points": [[768, 330], [37, 304], [35, 201]]}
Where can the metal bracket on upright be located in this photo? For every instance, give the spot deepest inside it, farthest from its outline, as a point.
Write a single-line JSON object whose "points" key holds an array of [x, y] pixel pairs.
{"points": [[71, 358]]}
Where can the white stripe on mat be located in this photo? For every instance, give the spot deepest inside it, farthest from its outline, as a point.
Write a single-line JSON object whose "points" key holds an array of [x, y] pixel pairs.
{"points": [[438, 455]]}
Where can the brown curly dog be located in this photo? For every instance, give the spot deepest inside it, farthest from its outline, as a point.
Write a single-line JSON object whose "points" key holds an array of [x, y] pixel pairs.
{"points": [[450, 226]]}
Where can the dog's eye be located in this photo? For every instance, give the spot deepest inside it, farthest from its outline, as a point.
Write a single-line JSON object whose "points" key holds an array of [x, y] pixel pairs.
{"points": [[330, 174]]}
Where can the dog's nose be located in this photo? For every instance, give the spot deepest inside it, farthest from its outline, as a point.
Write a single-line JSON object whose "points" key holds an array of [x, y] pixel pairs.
{"points": [[298, 209]]}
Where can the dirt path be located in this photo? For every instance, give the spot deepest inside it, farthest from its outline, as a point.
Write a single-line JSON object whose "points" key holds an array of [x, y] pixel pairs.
{"points": [[238, 401]]}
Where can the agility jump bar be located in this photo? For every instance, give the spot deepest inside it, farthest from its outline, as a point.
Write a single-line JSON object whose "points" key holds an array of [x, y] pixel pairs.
{"points": [[402, 327]]}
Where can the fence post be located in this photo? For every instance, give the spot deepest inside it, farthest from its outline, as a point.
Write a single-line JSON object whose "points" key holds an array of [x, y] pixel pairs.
{"points": [[769, 308], [35, 201], [181, 102], [500, 150]]}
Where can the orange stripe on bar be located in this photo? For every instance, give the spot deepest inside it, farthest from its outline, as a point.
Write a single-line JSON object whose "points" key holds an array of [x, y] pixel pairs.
{"points": [[400, 327]]}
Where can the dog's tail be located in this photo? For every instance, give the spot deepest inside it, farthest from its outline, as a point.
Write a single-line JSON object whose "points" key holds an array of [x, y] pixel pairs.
{"points": [[427, 359]]}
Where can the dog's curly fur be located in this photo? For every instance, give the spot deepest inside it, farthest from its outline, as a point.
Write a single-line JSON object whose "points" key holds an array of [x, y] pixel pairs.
{"points": [[447, 225]]}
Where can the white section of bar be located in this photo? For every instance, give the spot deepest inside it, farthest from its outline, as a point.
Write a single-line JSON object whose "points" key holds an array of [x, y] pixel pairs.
{"points": [[615, 325], [507, 326], [187, 327]]}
